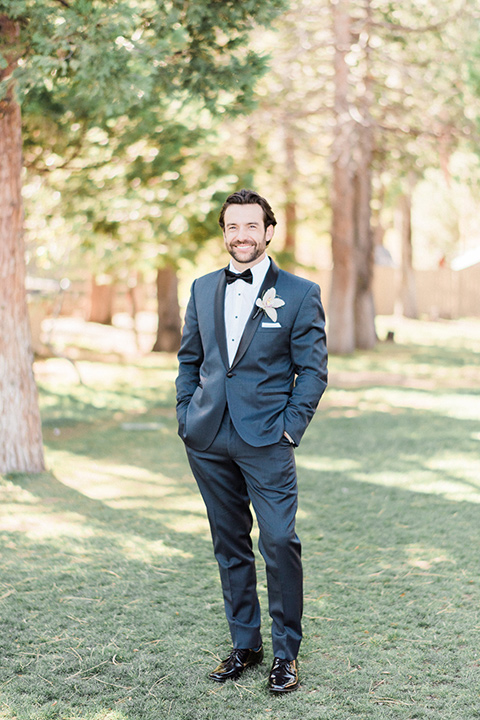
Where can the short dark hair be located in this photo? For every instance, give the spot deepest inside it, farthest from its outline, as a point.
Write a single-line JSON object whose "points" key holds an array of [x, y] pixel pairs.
{"points": [[248, 197]]}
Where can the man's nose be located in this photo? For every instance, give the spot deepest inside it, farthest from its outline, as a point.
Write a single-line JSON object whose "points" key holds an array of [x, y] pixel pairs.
{"points": [[243, 232]]}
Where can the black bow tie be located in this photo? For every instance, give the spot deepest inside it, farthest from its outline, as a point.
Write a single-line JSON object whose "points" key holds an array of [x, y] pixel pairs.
{"points": [[245, 275]]}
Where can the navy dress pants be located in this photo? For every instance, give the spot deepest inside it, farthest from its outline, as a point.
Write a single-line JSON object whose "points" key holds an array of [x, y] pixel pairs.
{"points": [[230, 475]]}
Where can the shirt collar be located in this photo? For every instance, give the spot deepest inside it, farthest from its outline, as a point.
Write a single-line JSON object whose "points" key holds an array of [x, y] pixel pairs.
{"points": [[258, 271]]}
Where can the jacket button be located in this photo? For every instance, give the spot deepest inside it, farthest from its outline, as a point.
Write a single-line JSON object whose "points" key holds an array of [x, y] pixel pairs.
{"points": [[229, 374]]}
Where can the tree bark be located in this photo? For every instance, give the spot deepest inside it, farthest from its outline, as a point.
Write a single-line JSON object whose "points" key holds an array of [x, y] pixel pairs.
{"points": [[21, 446], [289, 185], [341, 329], [101, 302], [408, 292], [169, 324], [351, 308], [365, 334]]}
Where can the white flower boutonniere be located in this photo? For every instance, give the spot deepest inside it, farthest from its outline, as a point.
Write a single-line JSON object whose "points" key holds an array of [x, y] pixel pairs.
{"points": [[269, 303]]}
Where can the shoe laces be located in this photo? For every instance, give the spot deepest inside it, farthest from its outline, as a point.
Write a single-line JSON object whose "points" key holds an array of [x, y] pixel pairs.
{"points": [[237, 654]]}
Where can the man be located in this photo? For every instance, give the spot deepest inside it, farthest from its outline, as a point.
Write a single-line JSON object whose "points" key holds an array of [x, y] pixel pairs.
{"points": [[252, 369]]}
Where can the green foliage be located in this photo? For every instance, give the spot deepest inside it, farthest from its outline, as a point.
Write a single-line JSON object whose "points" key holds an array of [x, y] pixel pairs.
{"points": [[119, 101], [104, 60]]}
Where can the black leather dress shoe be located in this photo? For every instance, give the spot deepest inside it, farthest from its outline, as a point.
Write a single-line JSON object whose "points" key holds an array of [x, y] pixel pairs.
{"points": [[283, 676], [235, 664]]}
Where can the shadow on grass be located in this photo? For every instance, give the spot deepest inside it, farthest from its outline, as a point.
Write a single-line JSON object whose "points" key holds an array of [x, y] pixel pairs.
{"points": [[392, 593], [388, 356], [450, 357], [99, 606], [88, 405], [111, 603]]}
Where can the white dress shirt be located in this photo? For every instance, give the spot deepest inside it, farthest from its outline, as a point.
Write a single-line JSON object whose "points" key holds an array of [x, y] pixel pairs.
{"points": [[239, 301]]}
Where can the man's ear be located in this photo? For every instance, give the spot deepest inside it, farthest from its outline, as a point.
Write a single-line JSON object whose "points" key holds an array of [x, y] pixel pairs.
{"points": [[269, 233]]}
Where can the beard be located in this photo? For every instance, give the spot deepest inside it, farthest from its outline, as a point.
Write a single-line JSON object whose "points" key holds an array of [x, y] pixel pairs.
{"points": [[246, 253]]}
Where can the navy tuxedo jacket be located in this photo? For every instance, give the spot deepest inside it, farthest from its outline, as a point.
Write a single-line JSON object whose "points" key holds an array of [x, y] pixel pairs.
{"points": [[277, 376]]}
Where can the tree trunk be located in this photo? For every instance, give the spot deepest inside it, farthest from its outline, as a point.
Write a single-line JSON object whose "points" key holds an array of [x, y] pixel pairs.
{"points": [[365, 334], [169, 325], [101, 301], [289, 185], [408, 292], [351, 309], [21, 447], [341, 329]]}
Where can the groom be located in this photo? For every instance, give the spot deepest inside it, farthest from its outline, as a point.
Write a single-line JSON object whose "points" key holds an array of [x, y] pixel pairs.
{"points": [[252, 369]]}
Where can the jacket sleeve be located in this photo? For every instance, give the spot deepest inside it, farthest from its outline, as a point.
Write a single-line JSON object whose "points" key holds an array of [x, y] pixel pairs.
{"points": [[190, 358], [308, 348]]}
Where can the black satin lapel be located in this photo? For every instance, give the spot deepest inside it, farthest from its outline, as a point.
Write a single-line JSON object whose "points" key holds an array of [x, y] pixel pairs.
{"points": [[270, 279], [253, 322], [219, 318]]}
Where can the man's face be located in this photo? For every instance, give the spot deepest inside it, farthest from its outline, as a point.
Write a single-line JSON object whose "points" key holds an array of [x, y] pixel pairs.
{"points": [[245, 235]]}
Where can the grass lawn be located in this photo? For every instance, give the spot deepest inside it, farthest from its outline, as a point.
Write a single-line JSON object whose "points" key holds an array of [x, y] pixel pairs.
{"points": [[110, 603]]}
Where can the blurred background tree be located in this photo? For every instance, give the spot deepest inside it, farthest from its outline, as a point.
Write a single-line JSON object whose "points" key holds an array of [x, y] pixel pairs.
{"points": [[95, 79], [140, 117], [363, 102]]}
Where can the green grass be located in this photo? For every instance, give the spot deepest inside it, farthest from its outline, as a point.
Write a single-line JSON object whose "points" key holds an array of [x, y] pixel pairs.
{"points": [[110, 604]]}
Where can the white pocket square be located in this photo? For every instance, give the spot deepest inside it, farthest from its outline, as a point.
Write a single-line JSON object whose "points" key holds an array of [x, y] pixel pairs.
{"points": [[271, 324]]}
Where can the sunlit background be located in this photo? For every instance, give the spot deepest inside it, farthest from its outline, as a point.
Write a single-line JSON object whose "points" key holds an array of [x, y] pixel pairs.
{"points": [[103, 210]]}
